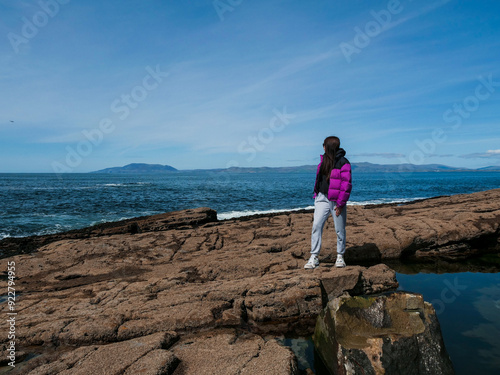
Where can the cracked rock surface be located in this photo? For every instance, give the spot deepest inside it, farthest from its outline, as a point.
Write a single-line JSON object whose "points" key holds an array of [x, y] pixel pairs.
{"points": [[224, 284]]}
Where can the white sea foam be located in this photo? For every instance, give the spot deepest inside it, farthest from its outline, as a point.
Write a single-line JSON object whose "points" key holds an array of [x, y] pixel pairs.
{"points": [[236, 214], [382, 201], [102, 185], [124, 184], [55, 228], [112, 220]]}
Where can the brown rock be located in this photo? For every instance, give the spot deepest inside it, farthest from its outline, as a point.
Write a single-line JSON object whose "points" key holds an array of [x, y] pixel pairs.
{"points": [[85, 292], [223, 352], [191, 273], [457, 226], [358, 280], [113, 359], [156, 362], [396, 333], [169, 220]]}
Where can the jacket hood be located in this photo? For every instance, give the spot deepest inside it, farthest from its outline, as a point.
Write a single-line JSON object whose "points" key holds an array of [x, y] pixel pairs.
{"points": [[339, 154]]}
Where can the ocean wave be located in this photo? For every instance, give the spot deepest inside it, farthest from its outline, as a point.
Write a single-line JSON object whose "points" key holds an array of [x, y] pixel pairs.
{"points": [[383, 201], [4, 235], [113, 220], [235, 214], [114, 185], [58, 216], [124, 184], [55, 228], [121, 218]]}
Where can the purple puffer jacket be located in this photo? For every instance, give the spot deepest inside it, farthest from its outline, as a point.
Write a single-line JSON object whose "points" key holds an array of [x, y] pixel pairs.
{"points": [[340, 180]]}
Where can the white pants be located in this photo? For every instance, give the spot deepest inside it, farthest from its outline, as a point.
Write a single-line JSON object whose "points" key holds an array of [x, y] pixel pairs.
{"points": [[322, 210]]}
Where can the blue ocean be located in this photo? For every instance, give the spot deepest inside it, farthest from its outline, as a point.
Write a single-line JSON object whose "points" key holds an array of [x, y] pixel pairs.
{"points": [[35, 204]]}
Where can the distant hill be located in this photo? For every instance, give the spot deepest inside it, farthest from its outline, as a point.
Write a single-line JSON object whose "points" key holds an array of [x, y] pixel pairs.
{"points": [[139, 168], [371, 168], [363, 167], [491, 168]]}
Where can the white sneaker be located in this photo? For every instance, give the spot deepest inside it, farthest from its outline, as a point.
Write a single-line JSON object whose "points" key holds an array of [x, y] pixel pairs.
{"points": [[313, 262], [340, 261]]}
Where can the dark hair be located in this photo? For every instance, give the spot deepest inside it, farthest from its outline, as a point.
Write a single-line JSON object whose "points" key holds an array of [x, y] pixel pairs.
{"points": [[331, 144]]}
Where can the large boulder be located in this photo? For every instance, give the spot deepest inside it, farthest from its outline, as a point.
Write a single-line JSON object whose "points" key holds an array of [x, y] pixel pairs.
{"points": [[393, 333]]}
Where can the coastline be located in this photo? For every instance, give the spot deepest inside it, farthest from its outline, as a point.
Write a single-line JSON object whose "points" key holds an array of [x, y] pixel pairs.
{"points": [[482, 232], [40, 205], [226, 215]]}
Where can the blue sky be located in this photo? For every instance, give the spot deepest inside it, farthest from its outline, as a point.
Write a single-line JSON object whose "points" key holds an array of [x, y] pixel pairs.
{"points": [[89, 84]]}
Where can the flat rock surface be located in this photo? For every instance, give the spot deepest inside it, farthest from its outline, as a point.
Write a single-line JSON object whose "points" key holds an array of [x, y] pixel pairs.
{"points": [[12, 245], [451, 226], [457, 226], [113, 359], [226, 353], [194, 273]]}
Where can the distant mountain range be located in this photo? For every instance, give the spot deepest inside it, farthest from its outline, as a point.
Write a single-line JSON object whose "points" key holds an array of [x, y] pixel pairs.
{"points": [[491, 169], [363, 167], [139, 168]]}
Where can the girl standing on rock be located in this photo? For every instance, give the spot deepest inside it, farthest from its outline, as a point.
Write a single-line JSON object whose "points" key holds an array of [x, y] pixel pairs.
{"points": [[331, 193]]}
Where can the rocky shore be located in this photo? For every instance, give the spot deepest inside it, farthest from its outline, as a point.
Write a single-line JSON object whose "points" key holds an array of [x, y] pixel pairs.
{"points": [[184, 293]]}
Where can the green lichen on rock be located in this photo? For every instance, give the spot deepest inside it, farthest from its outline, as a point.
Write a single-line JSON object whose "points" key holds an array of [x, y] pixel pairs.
{"points": [[359, 302], [324, 337], [392, 333]]}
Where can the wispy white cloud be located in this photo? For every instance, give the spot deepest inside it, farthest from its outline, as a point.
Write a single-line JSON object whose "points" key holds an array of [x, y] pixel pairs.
{"points": [[490, 154], [226, 79], [441, 155], [300, 63], [385, 155]]}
